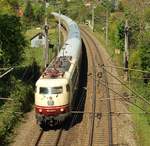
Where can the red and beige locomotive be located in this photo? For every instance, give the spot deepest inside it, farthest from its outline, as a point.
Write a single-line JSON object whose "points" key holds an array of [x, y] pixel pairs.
{"points": [[56, 87]]}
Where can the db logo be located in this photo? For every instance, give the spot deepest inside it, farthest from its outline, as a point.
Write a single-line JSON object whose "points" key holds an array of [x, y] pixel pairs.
{"points": [[50, 101]]}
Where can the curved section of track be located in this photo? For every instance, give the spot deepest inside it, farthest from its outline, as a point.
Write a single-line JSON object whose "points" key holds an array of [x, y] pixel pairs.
{"points": [[88, 125], [99, 134]]}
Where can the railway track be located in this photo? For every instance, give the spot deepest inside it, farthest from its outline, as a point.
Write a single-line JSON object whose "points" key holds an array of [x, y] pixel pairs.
{"points": [[100, 132], [90, 142], [96, 119], [46, 138], [84, 129]]}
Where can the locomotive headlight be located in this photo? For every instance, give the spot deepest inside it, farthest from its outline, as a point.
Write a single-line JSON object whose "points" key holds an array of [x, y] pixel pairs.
{"points": [[40, 110], [61, 109]]}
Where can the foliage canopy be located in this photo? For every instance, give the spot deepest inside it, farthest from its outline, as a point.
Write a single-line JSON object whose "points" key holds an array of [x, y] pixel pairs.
{"points": [[12, 41]]}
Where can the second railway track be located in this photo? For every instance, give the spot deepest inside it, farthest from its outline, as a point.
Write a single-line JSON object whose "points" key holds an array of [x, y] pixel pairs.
{"points": [[100, 132], [100, 126], [91, 123]]}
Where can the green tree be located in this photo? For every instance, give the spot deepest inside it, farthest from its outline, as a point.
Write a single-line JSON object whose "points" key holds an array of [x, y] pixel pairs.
{"points": [[10, 6], [38, 13], [5, 7], [134, 32], [28, 12], [107, 4], [147, 15], [12, 41], [14, 4], [119, 36], [64, 9], [145, 51]]}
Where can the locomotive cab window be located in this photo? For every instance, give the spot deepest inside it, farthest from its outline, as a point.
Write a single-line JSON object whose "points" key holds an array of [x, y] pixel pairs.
{"points": [[67, 88], [57, 90], [43, 90], [35, 89]]}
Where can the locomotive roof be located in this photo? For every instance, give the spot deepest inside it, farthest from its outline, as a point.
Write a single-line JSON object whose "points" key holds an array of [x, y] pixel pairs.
{"points": [[62, 64], [58, 67]]}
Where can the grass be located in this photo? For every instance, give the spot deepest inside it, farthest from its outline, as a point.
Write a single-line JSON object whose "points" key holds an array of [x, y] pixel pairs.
{"points": [[37, 54], [116, 58], [142, 121], [142, 128], [33, 54]]}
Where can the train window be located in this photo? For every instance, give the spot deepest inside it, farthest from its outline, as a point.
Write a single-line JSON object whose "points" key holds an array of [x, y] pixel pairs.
{"points": [[43, 90], [35, 89], [67, 88], [57, 90], [74, 77]]}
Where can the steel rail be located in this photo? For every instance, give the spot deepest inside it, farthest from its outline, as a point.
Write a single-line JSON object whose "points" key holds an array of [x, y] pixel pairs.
{"points": [[90, 143], [109, 110], [107, 89], [39, 138], [58, 138], [54, 143]]}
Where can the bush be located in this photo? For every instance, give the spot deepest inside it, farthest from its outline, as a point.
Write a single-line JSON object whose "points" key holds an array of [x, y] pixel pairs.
{"points": [[10, 113]]}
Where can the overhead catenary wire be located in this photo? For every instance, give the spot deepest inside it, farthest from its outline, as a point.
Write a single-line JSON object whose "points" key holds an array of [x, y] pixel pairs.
{"points": [[122, 97], [103, 83], [136, 78], [4, 68], [85, 112], [6, 72], [3, 111], [106, 113], [5, 98], [134, 92], [14, 66], [118, 97], [130, 69]]}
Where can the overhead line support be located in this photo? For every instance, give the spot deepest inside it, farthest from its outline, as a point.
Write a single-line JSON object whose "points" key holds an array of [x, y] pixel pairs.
{"points": [[6, 72]]}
